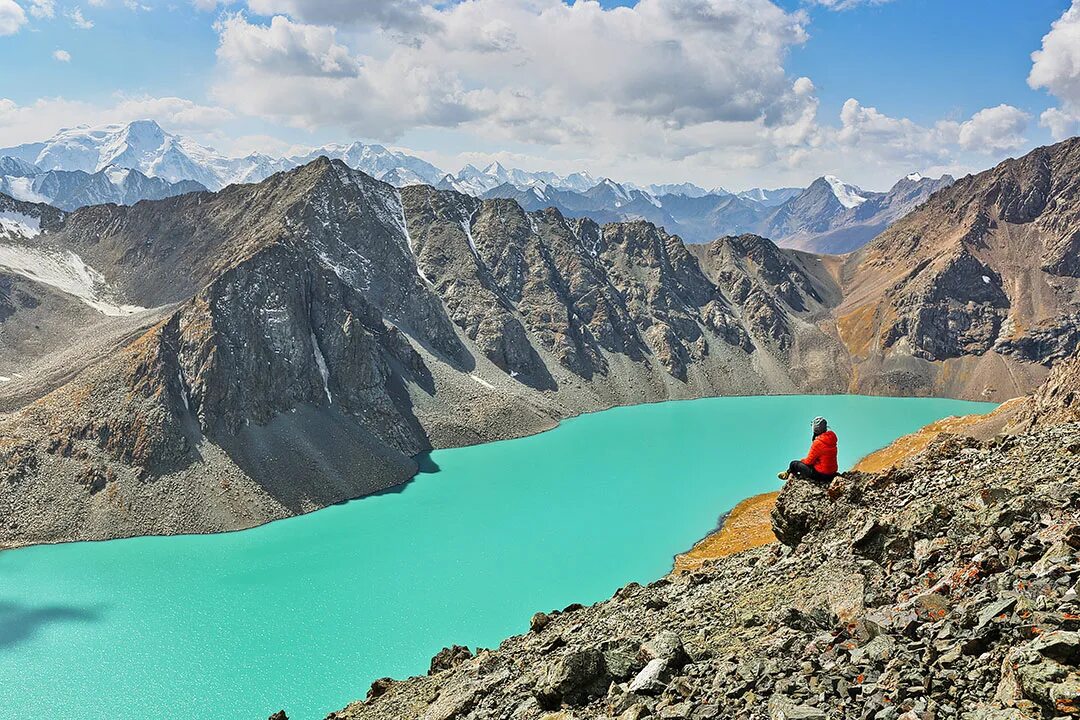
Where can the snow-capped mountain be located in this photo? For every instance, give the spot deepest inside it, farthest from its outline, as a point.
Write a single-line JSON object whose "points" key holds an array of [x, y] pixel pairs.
{"points": [[834, 216], [392, 166], [471, 180], [686, 189], [845, 193], [769, 198], [141, 145], [144, 146], [71, 189], [830, 214]]}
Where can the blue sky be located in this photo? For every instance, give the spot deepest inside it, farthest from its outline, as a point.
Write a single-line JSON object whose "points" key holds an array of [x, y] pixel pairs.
{"points": [[498, 79]]}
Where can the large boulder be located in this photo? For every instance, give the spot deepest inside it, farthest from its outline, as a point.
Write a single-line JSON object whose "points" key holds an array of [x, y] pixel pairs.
{"points": [[573, 679], [801, 508]]}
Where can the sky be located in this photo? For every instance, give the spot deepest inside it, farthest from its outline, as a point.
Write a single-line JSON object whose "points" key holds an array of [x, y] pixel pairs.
{"points": [[733, 93]]}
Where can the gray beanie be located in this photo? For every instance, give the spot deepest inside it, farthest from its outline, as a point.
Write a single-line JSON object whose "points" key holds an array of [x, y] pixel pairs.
{"points": [[819, 425]]}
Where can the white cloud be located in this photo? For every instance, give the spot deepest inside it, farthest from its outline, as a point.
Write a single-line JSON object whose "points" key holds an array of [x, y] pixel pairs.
{"points": [[1056, 68], [62, 55], [990, 130], [845, 4], [995, 129], [12, 17], [1060, 123], [529, 70], [285, 48], [401, 15], [78, 21], [43, 8]]}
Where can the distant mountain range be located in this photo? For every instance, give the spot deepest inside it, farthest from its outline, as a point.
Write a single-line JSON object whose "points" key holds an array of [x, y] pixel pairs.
{"points": [[72, 189], [82, 166]]}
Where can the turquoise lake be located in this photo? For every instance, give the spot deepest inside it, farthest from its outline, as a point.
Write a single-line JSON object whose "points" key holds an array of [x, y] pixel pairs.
{"points": [[304, 613]]}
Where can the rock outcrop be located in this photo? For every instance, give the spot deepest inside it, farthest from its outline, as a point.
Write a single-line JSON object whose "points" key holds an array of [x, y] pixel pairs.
{"points": [[944, 588], [973, 291]]}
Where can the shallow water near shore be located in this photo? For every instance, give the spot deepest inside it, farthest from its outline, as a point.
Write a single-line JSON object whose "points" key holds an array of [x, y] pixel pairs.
{"points": [[304, 613]]}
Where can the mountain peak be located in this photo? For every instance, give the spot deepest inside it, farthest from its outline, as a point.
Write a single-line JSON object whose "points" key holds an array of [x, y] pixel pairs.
{"points": [[846, 194], [145, 124]]}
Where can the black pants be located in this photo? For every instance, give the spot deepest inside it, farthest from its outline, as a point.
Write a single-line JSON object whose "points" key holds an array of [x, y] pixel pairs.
{"points": [[798, 467]]}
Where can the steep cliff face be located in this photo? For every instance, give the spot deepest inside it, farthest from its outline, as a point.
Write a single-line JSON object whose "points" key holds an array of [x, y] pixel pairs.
{"points": [[977, 281]]}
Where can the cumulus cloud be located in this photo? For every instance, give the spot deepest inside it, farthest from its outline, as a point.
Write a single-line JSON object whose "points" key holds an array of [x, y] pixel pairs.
{"points": [[62, 55], [529, 70], [1056, 68], [12, 17], [43, 8], [78, 21], [1060, 123], [284, 48], [989, 130], [845, 4], [402, 15], [994, 129]]}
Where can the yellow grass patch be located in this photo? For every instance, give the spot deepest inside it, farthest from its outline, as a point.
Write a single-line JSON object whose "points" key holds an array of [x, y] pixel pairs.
{"points": [[857, 330], [747, 526]]}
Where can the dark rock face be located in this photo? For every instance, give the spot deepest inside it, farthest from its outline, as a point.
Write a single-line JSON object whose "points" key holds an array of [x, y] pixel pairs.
{"points": [[956, 308], [579, 290], [449, 658], [801, 508]]}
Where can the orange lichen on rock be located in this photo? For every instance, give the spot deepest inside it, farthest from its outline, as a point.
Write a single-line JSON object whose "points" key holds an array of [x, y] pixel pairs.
{"points": [[747, 526]]}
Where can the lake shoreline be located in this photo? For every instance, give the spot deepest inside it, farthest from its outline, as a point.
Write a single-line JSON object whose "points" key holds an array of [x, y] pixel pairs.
{"points": [[422, 458], [748, 525]]}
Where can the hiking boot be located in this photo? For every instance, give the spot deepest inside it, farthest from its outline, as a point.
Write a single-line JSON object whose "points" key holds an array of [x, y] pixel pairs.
{"points": [[784, 475]]}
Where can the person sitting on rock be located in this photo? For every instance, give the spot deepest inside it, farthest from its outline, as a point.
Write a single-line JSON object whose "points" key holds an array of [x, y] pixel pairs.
{"points": [[820, 463]]}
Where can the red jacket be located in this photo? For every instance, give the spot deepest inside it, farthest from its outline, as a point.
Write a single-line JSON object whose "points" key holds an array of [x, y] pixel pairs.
{"points": [[822, 456]]}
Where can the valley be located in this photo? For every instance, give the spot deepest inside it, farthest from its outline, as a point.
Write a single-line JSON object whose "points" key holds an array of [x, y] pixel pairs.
{"points": [[305, 336]]}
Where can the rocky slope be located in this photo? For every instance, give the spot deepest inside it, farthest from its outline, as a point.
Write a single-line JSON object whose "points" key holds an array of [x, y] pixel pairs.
{"points": [[945, 588], [974, 285], [270, 349], [215, 360]]}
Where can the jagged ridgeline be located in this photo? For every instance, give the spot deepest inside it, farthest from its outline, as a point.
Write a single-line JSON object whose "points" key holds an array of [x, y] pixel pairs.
{"points": [[216, 360]]}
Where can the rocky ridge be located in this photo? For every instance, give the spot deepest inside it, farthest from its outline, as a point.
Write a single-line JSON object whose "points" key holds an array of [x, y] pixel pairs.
{"points": [[309, 334], [943, 588], [275, 347]]}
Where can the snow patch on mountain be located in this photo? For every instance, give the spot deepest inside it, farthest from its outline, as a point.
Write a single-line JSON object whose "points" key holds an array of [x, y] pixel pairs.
{"points": [[65, 271], [21, 188], [848, 195], [13, 222]]}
